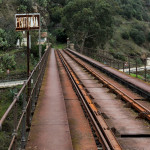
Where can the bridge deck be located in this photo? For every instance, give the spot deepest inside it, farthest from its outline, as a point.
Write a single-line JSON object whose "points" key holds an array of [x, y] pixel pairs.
{"points": [[50, 129]]}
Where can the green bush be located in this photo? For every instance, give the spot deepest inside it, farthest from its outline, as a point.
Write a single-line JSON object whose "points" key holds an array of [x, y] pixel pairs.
{"points": [[148, 37], [1, 68], [138, 26], [113, 43], [117, 55], [61, 36], [134, 75], [125, 35], [43, 3], [127, 11], [3, 40], [137, 36], [35, 50], [8, 62], [56, 14], [8, 38], [133, 8], [24, 6]]}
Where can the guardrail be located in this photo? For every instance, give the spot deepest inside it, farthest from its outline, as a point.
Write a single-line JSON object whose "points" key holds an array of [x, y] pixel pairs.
{"points": [[11, 84], [131, 65], [12, 80], [27, 96]]}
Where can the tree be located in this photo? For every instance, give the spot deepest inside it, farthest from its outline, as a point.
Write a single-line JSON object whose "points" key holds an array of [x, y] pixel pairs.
{"points": [[137, 36], [125, 35], [88, 22], [56, 14], [43, 3], [3, 41], [132, 8], [25, 6], [8, 62]]}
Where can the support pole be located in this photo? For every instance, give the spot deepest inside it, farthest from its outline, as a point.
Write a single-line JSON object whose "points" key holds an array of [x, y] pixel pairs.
{"points": [[145, 70], [40, 55], [136, 68], [129, 63], [28, 56], [29, 83]]}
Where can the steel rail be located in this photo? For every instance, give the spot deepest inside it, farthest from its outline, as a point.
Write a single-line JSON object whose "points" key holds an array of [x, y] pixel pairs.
{"points": [[142, 90], [136, 105], [105, 135]]}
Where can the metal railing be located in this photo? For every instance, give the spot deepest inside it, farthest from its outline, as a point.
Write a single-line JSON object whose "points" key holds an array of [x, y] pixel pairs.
{"points": [[131, 65], [27, 96]]}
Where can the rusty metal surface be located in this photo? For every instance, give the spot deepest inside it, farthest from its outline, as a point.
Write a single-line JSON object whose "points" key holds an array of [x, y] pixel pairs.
{"points": [[50, 129], [124, 93], [81, 133], [27, 21], [104, 135], [115, 83], [117, 115], [139, 83]]}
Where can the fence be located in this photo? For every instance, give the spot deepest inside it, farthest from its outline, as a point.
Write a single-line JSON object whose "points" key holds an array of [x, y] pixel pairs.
{"points": [[27, 99], [133, 66]]}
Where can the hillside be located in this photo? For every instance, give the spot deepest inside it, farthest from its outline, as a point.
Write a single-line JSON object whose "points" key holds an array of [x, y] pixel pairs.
{"points": [[131, 27]]}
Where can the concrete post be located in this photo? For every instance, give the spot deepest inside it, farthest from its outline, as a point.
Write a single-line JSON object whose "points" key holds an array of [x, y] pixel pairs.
{"points": [[148, 61], [71, 46]]}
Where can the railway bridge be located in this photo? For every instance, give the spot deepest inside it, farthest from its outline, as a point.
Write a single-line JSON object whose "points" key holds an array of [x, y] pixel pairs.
{"points": [[73, 102]]}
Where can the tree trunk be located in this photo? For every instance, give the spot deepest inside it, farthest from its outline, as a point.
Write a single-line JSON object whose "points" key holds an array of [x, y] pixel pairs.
{"points": [[82, 44]]}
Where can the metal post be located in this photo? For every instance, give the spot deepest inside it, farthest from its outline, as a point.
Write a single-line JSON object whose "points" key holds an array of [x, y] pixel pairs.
{"points": [[29, 83], [103, 57], [136, 68], [118, 65], [145, 69], [110, 62], [33, 99], [40, 55], [15, 125], [23, 133], [123, 66], [129, 64], [28, 55]]}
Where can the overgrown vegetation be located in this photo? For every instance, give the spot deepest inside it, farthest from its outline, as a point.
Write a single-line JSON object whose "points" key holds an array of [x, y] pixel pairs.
{"points": [[89, 23], [7, 62], [138, 76], [6, 97], [132, 8]]}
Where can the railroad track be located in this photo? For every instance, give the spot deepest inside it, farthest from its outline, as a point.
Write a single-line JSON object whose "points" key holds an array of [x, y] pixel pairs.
{"points": [[140, 87], [143, 111], [104, 135], [107, 135]]}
